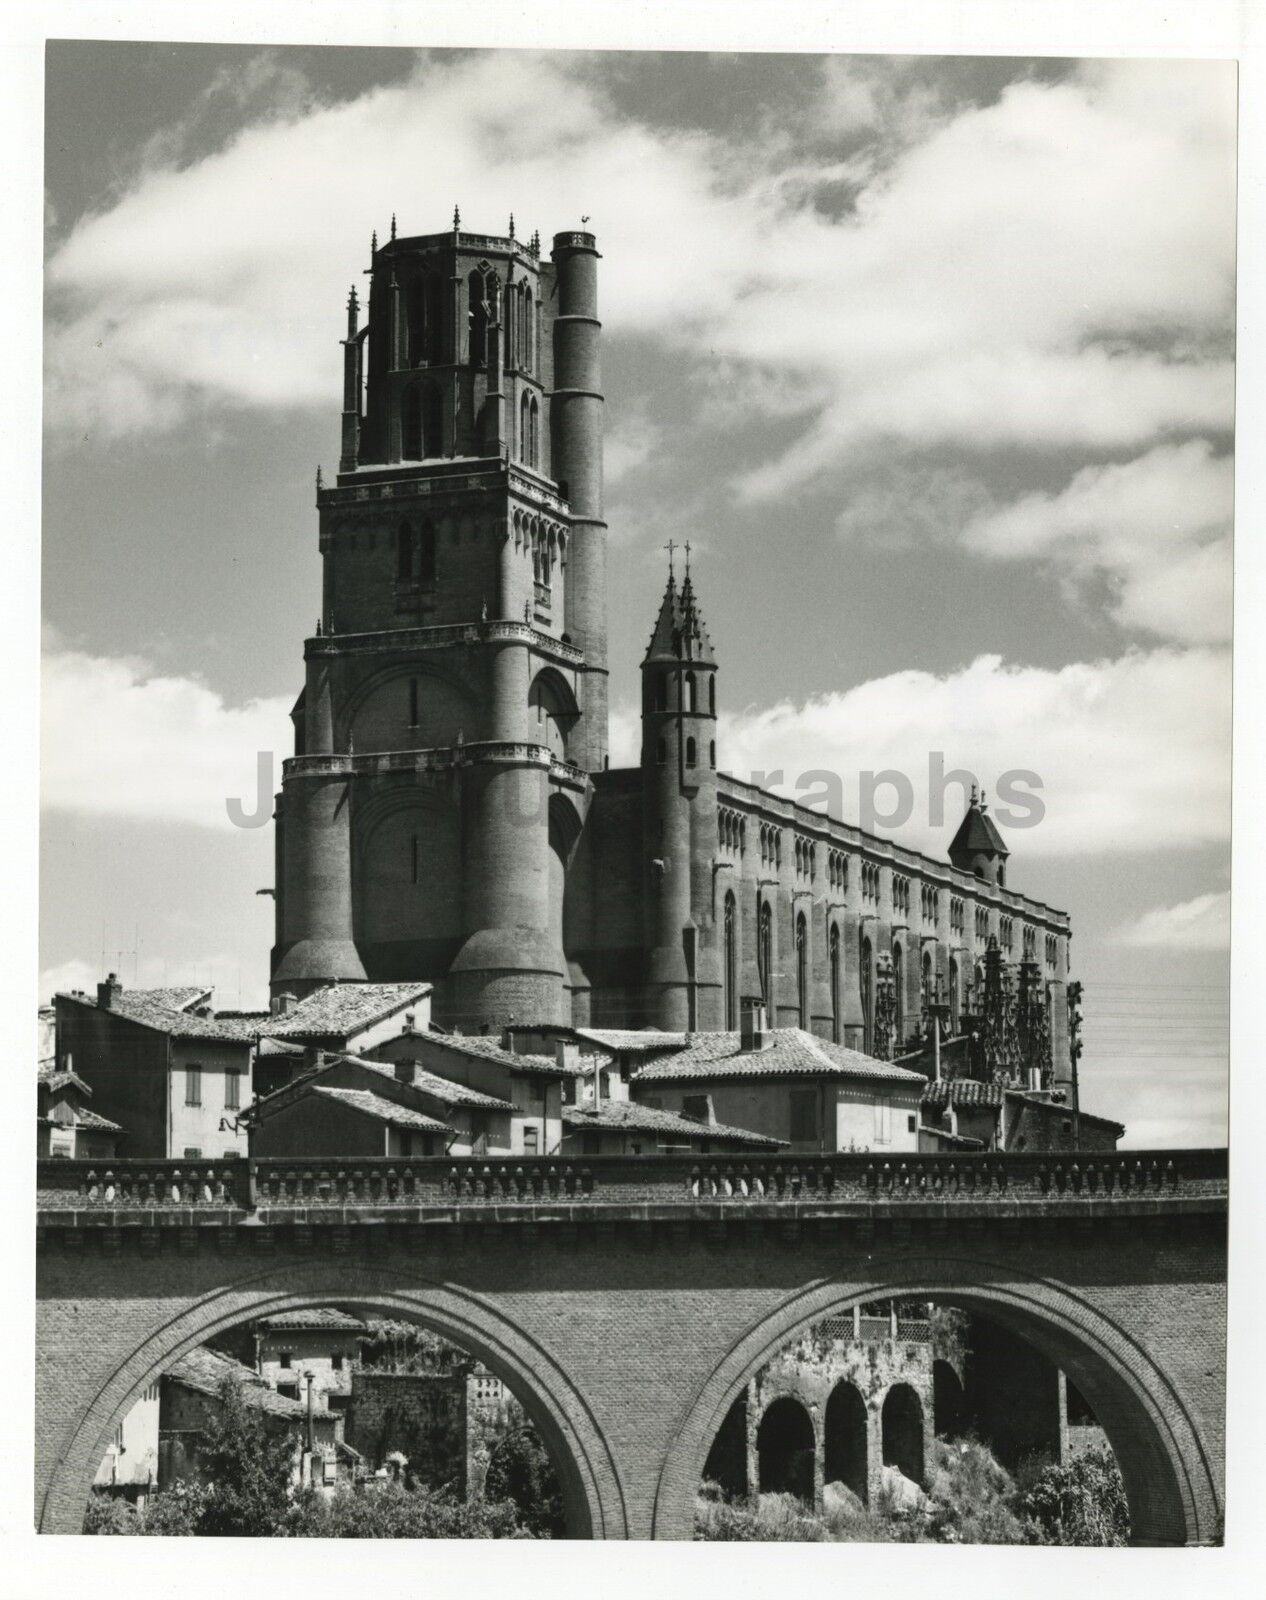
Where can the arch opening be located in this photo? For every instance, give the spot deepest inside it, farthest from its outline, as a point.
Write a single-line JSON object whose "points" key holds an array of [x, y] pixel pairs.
{"points": [[785, 1450], [590, 1493], [846, 1440], [902, 1432], [949, 1409]]}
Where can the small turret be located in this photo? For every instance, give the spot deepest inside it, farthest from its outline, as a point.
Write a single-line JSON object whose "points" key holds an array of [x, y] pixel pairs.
{"points": [[978, 847]]}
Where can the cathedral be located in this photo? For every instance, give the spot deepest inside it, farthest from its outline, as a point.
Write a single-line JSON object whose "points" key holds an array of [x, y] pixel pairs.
{"points": [[450, 813]]}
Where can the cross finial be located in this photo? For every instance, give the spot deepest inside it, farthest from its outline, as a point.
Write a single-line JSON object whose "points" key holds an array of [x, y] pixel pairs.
{"points": [[393, 224], [670, 547], [975, 794], [686, 548], [983, 801]]}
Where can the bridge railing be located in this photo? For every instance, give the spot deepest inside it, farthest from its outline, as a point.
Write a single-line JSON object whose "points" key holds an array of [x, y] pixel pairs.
{"points": [[681, 1181]]}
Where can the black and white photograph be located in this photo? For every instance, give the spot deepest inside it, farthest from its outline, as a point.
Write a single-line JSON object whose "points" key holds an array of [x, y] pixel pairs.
{"points": [[635, 782]]}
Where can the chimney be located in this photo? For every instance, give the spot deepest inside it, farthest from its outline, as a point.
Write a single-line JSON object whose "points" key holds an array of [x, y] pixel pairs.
{"points": [[108, 992], [753, 1034], [281, 1003], [567, 1055]]}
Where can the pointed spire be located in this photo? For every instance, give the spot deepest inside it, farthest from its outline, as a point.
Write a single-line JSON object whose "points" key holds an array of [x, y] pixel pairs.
{"points": [[457, 219], [536, 241], [512, 224], [393, 224], [679, 632], [373, 244]]}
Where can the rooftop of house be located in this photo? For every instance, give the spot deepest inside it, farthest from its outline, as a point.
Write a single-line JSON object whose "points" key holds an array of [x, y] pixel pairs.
{"points": [[641, 1040], [1062, 1108], [342, 1010], [963, 1092], [453, 1094], [85, 1117], [388, 1111], [478, 1046], [170, 1011], [787, 1053], [629, 1116], [205, 1370], [960, 1141], [314, 1317]]}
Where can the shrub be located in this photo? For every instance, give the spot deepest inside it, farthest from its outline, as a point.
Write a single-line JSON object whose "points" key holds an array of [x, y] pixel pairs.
{"points": [[390, 1511], [1081, 1503], [521, 1471], [107, 1514]]}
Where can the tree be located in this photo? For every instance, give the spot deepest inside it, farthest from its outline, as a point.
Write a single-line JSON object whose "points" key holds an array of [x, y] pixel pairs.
{"points": [[521, 1471], [1082, 1503], [245, 1465]]}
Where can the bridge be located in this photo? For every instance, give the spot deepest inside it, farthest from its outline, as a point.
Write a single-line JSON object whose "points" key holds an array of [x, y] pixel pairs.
{"points": [[628, 1300]]}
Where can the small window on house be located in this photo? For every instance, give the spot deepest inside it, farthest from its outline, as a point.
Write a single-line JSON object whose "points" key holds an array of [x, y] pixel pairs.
{"points": [[193, 1153], [531, 1141], [912, 1124], [193, 1087], [883, 1119], [285, 1358], [336, 1361], [232, 1089]]}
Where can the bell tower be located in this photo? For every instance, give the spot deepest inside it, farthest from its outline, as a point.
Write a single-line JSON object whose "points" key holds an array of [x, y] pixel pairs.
{"points": [[679, 790], [455, 694]]}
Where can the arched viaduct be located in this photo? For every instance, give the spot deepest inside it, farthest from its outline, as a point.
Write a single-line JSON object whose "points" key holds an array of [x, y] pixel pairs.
{"points": [[629, 1300]]}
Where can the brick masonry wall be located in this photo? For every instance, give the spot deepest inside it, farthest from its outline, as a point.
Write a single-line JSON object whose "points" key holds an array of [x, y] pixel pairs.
{"points": [[422, 1415], [576, 1318]]}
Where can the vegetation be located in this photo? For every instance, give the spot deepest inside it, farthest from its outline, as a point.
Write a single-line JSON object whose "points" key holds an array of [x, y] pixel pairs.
{"points": [[390, 1511], [970, 1499], [521, 1472]]}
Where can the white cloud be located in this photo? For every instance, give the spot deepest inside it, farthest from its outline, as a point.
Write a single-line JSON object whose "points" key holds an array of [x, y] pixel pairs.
{"points": [[120, 741], [1159, 526], [1053, 269], [1133, 754], [1200, 924], [219, 972]]}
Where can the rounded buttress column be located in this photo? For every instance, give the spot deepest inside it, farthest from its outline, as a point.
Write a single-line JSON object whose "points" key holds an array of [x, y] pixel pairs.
{"points": [[317, 886]]}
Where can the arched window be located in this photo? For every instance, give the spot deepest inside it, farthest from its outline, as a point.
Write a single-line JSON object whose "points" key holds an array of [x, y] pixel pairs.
{"points": [[730, 970], [527, 322], [926, 987], [533, 441], [690, 752], [661, 754], [691, 692], [712, 694], [834, 944], [866, 979], [432, 421], [426, 554], [802, 969], [953, 997], [525, 423], [477, 289], [434, 317], [415, 322], [712, 754], [661, 692], [898, 997], [404, 553], [411, 424], [765, 953]]}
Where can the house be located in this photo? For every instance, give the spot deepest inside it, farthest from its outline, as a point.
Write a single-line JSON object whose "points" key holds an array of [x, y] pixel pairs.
{"points": [[625, 1128], [65, 1124], [129, 1467], [160, 1064], [606, 1057], [351, 1017], [322, 1343], [961, 1109], [1035, 1121], [191, 1395], [532, 1085], [789, 1085]]}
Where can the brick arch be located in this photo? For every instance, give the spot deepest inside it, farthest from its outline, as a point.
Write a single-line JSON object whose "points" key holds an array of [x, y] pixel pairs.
{"points": [[593, 1496], [1169, 1483]]}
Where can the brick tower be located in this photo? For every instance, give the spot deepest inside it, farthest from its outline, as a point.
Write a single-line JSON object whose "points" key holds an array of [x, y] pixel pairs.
{"points": [[455, 701]]}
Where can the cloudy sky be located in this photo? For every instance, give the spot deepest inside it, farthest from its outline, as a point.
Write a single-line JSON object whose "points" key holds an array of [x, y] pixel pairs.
{"points": [[930, 359]]}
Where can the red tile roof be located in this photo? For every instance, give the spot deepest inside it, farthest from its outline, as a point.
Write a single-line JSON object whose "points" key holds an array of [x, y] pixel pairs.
{"points": [[374, 1105], [628, 1115], [963, 1092], [205, 1370], [343, 1010]]}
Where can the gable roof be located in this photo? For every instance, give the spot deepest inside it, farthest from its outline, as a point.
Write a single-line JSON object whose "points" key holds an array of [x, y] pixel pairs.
{"points": [[384, 1110], [963, 1092], [630, 1116], [453, 1094], [640, 1040], [1063, 1109], [205, 1370], [342, 1010], [484, 1049], [152, 1008], [792, 1054], [316, 1317]]}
